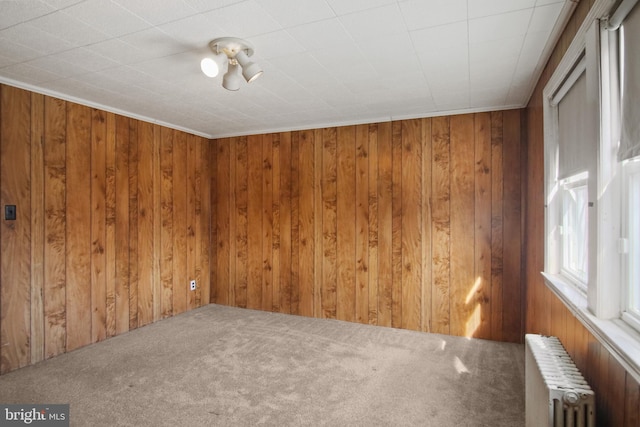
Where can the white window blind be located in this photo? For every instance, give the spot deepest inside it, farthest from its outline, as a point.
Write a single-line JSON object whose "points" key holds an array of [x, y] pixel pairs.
{"points": [[576, 141], [630, 61]]}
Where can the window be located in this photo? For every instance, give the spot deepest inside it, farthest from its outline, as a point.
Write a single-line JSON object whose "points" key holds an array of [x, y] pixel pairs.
{"points": [[575, 230], [631, 243], [571, 160], [629, 157], [592, 178]]}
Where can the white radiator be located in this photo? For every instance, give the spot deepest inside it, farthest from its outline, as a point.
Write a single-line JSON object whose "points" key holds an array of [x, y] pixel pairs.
{"points": [[557, 394]]}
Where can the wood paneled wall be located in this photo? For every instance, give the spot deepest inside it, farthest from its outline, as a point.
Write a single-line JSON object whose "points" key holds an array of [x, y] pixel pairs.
{"points": [[412, 224], [113, 221], [617, 393]]}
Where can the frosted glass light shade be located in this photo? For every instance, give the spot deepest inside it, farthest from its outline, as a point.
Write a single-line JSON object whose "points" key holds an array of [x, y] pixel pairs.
{"points": [[211, 67]]}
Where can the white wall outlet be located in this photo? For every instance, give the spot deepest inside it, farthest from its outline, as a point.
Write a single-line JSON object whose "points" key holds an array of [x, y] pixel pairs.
{"points": [[192, 285]]}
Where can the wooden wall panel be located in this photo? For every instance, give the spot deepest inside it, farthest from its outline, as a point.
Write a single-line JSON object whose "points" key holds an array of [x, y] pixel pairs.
{"points": [[102, 210], [464, 311], [98, 226], [254, 219], [222, 209], [294, 289], [427, 269], [203, 261], [618, 393], [385, 224], [392, 224], [285, 218], [166, 217], [267, 223], [411, 224], [180, 224], [512, 283], [440, 225], [36, 340], [497, 194], [373, 282], [345, 218], [396, 224], [110, 225], [122, 224], [193, 229], [306, 219], [329, 223], [78, 231], [481, 296], [145, 223], [54, 192], [361, 204], [15, 262], [133, 224]]}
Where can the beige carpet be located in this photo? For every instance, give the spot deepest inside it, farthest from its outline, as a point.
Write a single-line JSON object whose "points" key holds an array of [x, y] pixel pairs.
{"points": [[222, 366]]}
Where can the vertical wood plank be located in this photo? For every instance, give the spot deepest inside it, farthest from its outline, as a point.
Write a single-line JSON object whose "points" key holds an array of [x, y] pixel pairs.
{"points": [[411, 236], [15, 262], [122, 224], [55, 136], [156, 291], [294, 296], [180, 225], [464, 313], [204, 243], [37, 338], [396, 225], [317, 225], [196, 232], [254, 218], [441, 226], [78, 207], [166, 218], [385, 224], [133, 224], [306, 219], [496, 225], [426, 226], [192, 178], [345, 214], [482, 241], [223, 212], [98, 218], [241, 266], [285, 223], [329, 222], [512, 268], [110, 224], [213, 251], [267, 223], [373, 283], [362, 224], [275, 211], [145, 219]]}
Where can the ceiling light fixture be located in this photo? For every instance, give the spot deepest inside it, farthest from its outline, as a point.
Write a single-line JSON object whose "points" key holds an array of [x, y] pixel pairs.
{"points": [[234, 53]]}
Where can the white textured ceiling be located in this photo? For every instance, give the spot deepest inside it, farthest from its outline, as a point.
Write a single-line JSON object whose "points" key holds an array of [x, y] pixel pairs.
{"points": [[326, 62]]}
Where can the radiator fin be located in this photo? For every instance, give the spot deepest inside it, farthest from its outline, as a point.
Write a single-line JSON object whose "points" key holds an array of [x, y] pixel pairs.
{"points": [[555, 388]]}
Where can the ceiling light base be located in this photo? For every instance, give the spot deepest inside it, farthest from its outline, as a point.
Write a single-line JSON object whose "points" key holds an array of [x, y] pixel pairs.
{"points": [[230, 46]]}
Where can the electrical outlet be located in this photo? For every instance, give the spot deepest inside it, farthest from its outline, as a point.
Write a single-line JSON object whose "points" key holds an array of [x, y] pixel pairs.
{"points": [[192, 285]]}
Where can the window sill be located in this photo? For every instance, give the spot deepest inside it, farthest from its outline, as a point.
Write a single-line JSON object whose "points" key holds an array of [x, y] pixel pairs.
{"points": [[622, 341]]}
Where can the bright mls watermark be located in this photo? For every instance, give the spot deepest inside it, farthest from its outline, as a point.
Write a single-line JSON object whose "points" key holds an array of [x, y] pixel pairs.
{"points": [[34, 415]]}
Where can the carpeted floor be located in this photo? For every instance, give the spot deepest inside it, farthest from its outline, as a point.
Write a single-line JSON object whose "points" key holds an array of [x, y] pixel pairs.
{"points": [[223, 366]]}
